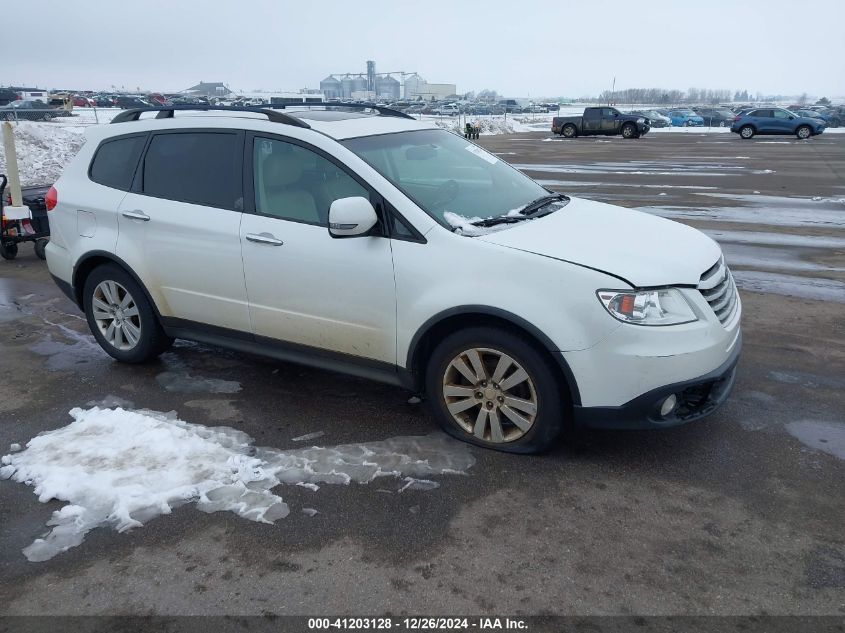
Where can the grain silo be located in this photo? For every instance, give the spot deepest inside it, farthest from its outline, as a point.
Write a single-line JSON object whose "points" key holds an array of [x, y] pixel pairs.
{"points": [[331, 87]]}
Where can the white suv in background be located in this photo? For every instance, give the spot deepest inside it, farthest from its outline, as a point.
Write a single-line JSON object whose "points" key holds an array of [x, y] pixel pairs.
{"points": [[367, 242]]}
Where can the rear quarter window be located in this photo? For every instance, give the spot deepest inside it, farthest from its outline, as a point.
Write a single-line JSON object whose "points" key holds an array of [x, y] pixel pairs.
{"points": [[195, 167], [115, 161]]}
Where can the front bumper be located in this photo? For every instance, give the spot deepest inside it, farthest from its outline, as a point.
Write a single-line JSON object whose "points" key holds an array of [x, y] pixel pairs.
{"points": [[697, 398]]}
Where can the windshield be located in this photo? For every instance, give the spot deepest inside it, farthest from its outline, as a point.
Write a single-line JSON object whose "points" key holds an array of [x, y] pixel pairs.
{"points": [[446, 175]]}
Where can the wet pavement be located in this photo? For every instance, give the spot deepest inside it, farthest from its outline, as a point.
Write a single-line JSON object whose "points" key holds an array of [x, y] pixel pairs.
{"points": [[738, 514]]}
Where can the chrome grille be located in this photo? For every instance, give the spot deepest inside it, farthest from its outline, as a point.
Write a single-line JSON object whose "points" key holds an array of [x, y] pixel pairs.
{"points": [[719, 290]]}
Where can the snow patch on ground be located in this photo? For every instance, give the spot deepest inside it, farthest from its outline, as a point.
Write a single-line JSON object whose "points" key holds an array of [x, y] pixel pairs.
{"points": [[118, 468]]}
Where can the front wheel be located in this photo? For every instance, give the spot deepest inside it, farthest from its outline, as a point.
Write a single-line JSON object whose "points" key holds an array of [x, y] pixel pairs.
{"points": [[804, 132], [120, 316], [492, 388], [746, 132], [8, 250], [629, 131]]}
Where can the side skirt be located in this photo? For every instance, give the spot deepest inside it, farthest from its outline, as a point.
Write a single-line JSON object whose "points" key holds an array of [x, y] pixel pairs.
{"points": [[369, 369]]}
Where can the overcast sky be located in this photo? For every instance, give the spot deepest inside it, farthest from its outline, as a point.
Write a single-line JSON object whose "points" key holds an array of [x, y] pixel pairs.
{"points": [[519, 47]]}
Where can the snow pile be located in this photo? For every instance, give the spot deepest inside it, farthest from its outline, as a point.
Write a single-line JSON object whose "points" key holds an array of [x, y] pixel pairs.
{"points": [[489, 125], [43, 151], [122, 468]]}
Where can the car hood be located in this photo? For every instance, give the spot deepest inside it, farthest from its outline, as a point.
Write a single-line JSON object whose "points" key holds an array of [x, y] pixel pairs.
{"points": [[643, 249]]}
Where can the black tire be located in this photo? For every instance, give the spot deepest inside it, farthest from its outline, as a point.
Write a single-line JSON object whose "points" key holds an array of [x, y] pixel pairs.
{"points": [[804, 132], [629, 131], [746, 132], [8, 250], [552, 403], [40, 246], [152, 340], [569, 131]]}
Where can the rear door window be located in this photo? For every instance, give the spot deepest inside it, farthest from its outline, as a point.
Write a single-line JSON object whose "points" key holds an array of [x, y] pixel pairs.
{"points": [[767, 114], [115, 161], [196, 167]]}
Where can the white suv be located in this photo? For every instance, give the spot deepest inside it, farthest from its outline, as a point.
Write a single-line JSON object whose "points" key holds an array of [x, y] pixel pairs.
{"points": [[366, 242]]}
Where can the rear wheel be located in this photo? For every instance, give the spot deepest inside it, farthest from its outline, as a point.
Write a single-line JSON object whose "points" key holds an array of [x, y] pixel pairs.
{"points": [[489, 387], [804, 132], [40, 248], [629, 131], [746, 131], [120, 316], [569, 131]]}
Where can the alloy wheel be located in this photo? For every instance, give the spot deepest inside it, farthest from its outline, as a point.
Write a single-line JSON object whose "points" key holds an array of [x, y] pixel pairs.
{"points": [[490, 395], [116, 315]]}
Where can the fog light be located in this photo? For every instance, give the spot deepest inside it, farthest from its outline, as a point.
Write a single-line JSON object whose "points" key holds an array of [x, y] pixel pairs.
{"points": [[668, 405]]}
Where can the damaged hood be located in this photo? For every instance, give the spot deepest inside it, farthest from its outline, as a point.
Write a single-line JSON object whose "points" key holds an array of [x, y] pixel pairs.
{"points": [[646, 250]]}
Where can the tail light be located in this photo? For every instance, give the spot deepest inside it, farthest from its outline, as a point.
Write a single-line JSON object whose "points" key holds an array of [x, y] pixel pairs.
{"points": [[51, 199], [737, 118]]}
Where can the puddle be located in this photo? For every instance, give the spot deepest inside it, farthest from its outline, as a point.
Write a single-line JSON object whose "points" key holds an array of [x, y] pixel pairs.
{"points": [[179, 379], [770, 258], [637, 168], [121, 469], [584, 183], [774, 216], [81, 353], [776, 239], [791, 286], [806, 379], [828, 437]]}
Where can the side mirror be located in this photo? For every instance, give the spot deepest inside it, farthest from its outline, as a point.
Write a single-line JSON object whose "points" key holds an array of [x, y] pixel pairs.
{"points": [[351, 217]]}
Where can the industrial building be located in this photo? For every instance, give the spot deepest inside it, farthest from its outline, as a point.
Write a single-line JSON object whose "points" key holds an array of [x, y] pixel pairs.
{"points": [[373, 85]]}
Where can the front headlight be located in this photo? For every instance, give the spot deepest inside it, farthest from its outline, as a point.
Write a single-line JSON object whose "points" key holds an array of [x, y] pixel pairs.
{"points": [[666, 306]]}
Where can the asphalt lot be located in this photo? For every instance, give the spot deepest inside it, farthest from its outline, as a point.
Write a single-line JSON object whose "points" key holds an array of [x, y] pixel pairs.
{"points": [[740, 514]]}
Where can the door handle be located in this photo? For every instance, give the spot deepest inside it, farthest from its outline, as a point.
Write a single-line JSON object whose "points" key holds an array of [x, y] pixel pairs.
{"points": [[137, 214], [264, 238]]}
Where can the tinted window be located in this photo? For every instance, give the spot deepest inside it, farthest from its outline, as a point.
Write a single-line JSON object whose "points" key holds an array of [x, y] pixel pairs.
{"points": [[115, 161], [762, 113], [197, 167], [295, 183]]}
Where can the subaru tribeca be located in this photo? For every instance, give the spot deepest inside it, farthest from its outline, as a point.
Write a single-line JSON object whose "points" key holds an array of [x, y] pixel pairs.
{"points": [[366, 242]]}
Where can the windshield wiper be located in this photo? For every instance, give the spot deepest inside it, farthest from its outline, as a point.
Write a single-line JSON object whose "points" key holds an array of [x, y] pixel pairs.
{"points": [[502, 219], [541, 202], [529, 211]]}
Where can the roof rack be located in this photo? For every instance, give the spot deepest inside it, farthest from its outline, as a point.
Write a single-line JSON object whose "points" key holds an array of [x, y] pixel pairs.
{"points": [[270, 111], [166, 112], [383, 111]]}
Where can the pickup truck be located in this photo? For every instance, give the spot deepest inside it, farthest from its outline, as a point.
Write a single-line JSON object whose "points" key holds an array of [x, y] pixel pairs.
{"points": [[606, 121]]}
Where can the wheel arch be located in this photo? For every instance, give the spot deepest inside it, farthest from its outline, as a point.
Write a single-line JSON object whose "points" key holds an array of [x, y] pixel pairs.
{"points": [[440, 325], [90, 261]]}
